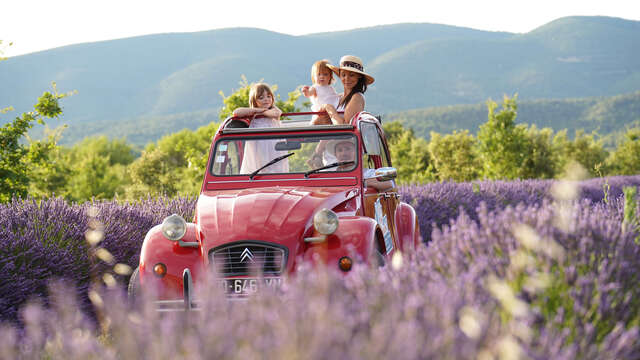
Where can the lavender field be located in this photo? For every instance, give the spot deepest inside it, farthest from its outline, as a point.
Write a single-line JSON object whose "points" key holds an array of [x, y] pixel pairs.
{"points": [[511, 270]]}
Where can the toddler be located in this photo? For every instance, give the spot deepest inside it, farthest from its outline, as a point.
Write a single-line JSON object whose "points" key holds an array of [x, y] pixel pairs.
{"points": [[321, 92]]}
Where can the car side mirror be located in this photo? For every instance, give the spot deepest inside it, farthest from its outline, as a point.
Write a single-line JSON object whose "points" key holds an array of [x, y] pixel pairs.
{"points": [[384, 174]]}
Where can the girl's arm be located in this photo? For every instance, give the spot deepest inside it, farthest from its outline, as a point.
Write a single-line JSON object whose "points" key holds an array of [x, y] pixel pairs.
{"points": [[355, 106], [273, 112], [308, 91], [245, 111]]}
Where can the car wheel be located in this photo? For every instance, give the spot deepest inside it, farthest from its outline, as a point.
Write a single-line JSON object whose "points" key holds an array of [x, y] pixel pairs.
{"points": [[377, 259], [133, 290]]}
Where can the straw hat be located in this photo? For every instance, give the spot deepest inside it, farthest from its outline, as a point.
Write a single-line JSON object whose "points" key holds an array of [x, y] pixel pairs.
{"points": [[331, 144], [351, 63]]}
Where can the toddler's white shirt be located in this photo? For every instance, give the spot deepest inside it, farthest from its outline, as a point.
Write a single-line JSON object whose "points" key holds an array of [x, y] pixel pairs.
{"points": [[325, 94]]}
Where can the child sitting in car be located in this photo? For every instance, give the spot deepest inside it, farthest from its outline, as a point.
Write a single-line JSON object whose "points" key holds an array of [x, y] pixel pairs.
{"points": [[266, 114]]}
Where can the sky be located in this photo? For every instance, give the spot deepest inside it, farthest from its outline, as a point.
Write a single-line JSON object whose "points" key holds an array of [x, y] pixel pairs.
{"points": [[35, 25]]}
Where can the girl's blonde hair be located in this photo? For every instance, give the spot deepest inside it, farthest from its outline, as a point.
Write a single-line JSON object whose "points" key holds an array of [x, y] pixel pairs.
{"points": [[317, 67], [256, 91]]}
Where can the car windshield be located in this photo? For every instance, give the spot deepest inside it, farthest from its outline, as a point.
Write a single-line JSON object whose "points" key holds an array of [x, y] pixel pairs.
{"points": [[307, 154]]}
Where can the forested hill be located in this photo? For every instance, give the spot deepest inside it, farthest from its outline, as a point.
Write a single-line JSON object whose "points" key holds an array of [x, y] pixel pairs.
{"points": [[606, 115], [153, 85]]}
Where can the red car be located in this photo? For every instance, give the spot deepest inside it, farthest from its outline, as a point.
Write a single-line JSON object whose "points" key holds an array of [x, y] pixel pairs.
{"points": [[273, 197]]}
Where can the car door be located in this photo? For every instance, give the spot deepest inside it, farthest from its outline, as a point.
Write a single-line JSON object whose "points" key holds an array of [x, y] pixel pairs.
{"points": [[379, 205]]}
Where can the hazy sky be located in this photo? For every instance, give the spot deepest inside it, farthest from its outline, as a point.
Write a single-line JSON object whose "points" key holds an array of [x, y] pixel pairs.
{"points": [[34, 25]]}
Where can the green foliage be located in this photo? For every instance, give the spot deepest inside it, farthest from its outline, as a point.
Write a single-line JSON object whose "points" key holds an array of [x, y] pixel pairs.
{"points": [[454, 156], [584, 149], [510, 151], [625, 160], [606, 115], [93, 168], [502, 144], [538, 160], [174, 165], [17, 156], [630, 206], [410, 155]]}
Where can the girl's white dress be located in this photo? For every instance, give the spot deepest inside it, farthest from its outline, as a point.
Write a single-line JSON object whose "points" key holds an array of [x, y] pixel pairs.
{"points": [[259, 152]]}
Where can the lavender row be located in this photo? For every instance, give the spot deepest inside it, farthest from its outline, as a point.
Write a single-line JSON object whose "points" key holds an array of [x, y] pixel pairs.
{"points": [[540, 281], [45, 240], [437, 203]]}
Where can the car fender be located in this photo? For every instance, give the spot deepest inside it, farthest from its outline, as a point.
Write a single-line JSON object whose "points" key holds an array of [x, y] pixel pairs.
{"points": [[407, 227], [354, 237], [158, 249]]}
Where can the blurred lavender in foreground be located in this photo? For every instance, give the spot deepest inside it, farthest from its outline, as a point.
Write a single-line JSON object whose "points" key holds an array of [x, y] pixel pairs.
{"points": [[504, 279]]}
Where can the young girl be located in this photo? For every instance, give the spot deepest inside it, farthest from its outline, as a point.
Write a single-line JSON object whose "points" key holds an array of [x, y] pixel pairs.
{"points": [[321, 92], [258, 153]]}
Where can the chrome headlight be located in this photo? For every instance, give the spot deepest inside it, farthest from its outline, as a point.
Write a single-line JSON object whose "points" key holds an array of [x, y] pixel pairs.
{"points": [[174, 227], [325, 221]]}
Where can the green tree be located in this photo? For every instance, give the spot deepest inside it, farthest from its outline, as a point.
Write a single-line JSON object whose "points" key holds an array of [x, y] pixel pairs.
{"points": [[454, 156], [510, 151], [410, 155], [19, 154], [625, 160], [173, 165], [93, 168], [584, 149], [501, 144], [538, 157]]}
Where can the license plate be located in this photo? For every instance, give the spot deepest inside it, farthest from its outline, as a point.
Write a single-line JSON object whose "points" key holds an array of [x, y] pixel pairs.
{"points": [[247, 286]]}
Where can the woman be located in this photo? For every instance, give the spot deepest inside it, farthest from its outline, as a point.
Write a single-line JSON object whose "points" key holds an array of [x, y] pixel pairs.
{"points": [[355, 82]]}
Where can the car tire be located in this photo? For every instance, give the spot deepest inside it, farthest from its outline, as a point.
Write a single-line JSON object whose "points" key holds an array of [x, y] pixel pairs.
{"points": [[378, 258], [133, 290]]}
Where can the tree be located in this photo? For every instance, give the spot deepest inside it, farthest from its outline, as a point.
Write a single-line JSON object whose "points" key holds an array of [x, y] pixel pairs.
{"points": [[538, 157], [501, 144], [584, 149], [454, 156], [173, 165], [625, 160], [510, 151], [19, 155], [410, 154]]}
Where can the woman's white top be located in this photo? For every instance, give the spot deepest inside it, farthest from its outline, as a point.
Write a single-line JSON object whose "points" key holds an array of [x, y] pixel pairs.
{"points": [[257, 153]]}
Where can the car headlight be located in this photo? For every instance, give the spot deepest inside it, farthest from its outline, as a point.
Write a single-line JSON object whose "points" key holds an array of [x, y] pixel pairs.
{"points": [[325, 221], [174, 227]]}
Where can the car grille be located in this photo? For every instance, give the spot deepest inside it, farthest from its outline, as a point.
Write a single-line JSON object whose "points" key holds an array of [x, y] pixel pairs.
{"points": [[248, 258]]}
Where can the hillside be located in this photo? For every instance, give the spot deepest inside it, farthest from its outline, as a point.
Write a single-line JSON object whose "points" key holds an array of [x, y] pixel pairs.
{"points": [[157, 81], [606, 115]]}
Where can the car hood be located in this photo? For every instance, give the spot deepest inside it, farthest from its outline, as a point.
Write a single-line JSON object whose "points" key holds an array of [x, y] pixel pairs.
{"points": [[273, 214]]}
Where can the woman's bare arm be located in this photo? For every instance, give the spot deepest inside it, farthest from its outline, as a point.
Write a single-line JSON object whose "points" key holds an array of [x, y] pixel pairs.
{"points": [[355, 106]]}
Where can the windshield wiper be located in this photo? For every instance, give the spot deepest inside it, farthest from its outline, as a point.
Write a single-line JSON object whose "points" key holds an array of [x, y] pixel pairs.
{"points": [[279, 158], [339, 163]]}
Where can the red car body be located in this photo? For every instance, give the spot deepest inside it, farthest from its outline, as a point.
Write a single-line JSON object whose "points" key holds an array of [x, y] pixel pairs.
{"points": [[268, 218]]}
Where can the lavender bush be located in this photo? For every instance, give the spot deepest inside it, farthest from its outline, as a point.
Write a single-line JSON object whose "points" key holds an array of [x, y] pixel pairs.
{"points": [[504, 278], [437, 203], [45, 240]]}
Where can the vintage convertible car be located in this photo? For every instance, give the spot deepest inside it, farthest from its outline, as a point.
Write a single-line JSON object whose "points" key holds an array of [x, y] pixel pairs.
{"points": [[274, 197]]}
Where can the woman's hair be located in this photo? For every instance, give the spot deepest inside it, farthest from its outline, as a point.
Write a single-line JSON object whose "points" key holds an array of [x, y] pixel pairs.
{"points": [[319, 66], [360, 87], [256, 91]]}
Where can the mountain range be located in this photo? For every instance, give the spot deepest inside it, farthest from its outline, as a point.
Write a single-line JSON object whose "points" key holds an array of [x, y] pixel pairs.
{"points": [[148, 86]]}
